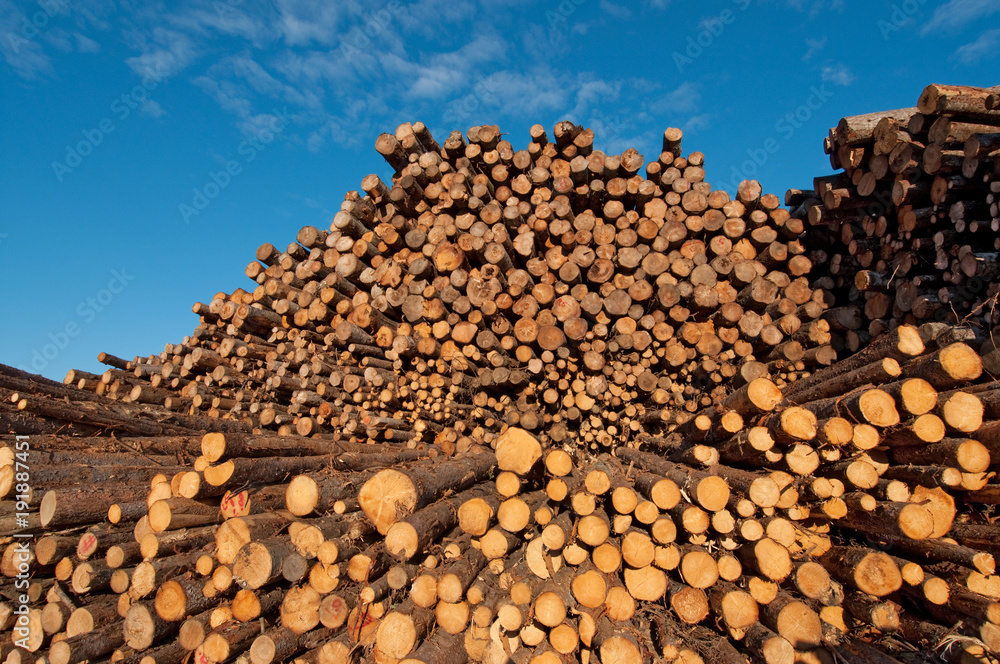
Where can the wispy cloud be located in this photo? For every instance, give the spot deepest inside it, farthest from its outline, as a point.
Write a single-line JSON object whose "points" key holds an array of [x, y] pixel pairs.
{"points": [[152, 108], [815, 7], [815, 46], [685, 98], [838, 74], [986, 46], [618, 12], [85, 44], [165, 52], [957, 14], [25, 34], [697, 122], [303, 21]]}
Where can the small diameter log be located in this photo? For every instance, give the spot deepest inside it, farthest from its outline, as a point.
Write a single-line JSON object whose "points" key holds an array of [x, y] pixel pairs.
{"points": [[217, 445], [87, 647], [906, 520]]}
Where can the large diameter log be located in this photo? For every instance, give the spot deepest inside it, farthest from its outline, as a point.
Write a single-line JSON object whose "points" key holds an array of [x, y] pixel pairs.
{"points": [[957, 99], [946, 367], [405, 538], [517, 451], [907, 520], [793, 620], [178, 598], [759, 395], [871, 572], [874, 406], [259, 563], [143, 627], [401, 630], [392, 494]]}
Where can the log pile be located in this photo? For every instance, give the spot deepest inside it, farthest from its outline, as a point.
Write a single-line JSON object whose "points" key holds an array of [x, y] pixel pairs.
{"points": [[556, 288], [908, 227], [516, 406]]}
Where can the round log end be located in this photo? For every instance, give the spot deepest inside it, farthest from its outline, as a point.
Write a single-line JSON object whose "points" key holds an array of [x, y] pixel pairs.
{"points": [[388, 497], [800, 625], [878, 408], [877, 574], [517, 451]]}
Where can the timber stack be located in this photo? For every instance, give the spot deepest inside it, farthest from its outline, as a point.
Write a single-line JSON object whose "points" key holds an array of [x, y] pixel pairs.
{"points": [[909, 226], [527, 406]]}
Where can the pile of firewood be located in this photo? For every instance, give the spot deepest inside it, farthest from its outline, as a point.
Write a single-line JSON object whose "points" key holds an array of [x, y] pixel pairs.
{"points": [[523, 406], [909, 228]]}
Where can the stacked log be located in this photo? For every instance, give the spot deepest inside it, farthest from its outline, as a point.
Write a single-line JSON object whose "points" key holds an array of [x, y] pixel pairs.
{"points": [[908, 227], [860, 524], [416, 443], [555, 287]]}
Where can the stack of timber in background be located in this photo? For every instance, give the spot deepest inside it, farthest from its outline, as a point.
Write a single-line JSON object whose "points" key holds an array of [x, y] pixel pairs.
{"points": [[909, 228]]}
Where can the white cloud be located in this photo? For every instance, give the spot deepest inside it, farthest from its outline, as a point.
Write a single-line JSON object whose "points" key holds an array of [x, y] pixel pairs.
{"points": [[171, 52], [987, 45], [426, 16], [618, 12], [19, 44], [444, 73], [59, 38], [152, 109], [262, 82], [814, 7], [838, 74], [658, 4], [230, 96], [591, 94], [85, 44], [815, 46], [957, 14], [697, 122], [685, 98], [305, 21], [26, 58], [228, 20]]}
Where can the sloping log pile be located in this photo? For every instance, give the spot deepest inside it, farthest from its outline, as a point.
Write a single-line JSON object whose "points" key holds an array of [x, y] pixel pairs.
{"points": [[909, 226], [428, 443], [555, 288]]}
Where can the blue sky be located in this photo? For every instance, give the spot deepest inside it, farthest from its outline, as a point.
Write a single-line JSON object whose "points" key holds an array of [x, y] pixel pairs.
{"points": [[148, 148]]}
